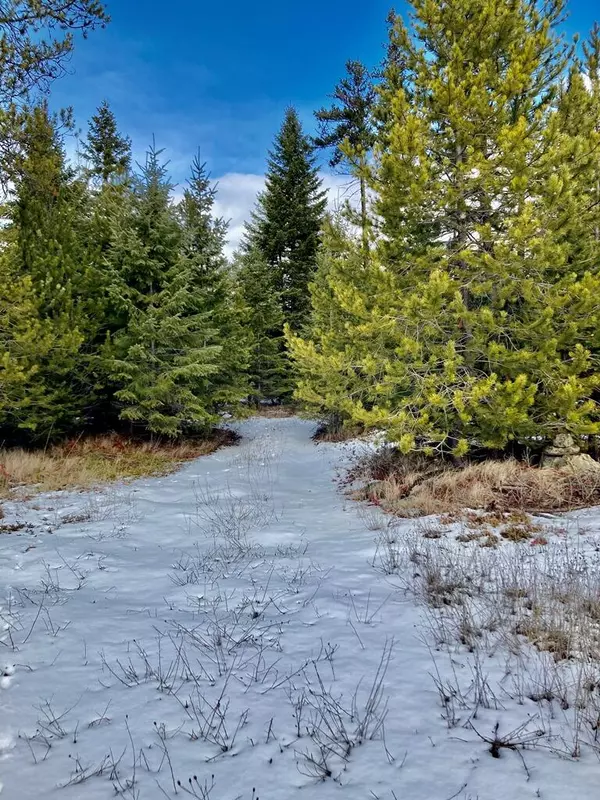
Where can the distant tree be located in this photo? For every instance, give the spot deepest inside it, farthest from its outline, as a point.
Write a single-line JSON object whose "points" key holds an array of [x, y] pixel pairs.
{"points": [[203, 243], [347, 129], [106, 151], [287, 220], [269, 367]]}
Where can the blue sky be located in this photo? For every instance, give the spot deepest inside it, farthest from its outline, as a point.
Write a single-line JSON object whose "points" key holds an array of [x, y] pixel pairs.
{"points": [[218, 76]]}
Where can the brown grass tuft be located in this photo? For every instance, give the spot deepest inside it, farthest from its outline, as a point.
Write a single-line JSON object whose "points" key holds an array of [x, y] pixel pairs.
{"points": [[411, 486], [84, 463], [275, 411]]}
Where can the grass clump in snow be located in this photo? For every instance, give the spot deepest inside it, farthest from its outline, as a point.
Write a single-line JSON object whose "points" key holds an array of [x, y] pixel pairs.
{"points": [[96, 460], [527, 620], [413, 485]]}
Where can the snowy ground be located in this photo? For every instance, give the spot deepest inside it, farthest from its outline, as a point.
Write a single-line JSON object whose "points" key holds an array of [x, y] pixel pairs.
{"points": [[223, 633]]}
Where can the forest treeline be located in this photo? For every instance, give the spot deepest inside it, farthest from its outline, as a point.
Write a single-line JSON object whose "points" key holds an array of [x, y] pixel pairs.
{"points": [[452, 301]]}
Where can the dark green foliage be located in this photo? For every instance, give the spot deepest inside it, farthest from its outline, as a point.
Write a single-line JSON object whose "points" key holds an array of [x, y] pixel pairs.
{"points": [[286, 223], [114, 302], [350, 119], [347, 129], [203, 243], [159, 358], [269, 368], [108, 154]]}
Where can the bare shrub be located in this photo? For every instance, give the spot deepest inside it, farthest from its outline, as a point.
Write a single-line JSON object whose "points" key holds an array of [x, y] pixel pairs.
{"points": [[229, 516], [333, 727]]}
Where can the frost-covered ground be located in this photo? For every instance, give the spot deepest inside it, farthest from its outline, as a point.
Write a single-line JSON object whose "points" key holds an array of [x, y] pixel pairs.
{"points": [[224, 632]]}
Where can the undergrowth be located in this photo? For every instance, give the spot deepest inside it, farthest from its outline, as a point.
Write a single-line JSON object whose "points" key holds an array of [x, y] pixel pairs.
{"points": [[91, 461], [413, 486]]}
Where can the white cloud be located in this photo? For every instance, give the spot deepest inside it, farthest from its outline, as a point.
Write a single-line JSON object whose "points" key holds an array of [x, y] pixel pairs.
{"points": [[237, 191], [236, 196]]}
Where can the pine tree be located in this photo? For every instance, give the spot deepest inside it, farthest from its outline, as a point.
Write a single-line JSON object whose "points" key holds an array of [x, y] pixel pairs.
{"points": [[347, 128], [203, 243], [163, 359], [46, 267], [106, 151], [37, 39], [336, 365], [269, 367], [26, 346], [485, 332], [286, 223], [579, 119]]}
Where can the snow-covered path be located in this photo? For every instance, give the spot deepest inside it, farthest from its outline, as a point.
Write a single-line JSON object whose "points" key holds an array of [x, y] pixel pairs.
{"points": [[194, 625]]}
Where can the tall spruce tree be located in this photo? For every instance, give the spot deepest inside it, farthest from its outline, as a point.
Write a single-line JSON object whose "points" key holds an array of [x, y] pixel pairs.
{"points": [[164, 358], [286, 223], [107, 172], [485, 331], [347, 129], [46, 265]]}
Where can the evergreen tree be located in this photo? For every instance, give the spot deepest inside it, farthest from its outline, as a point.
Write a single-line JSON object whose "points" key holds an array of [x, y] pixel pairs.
{"points": [[46, 266], [163, 359], [269, 367], [37, 39], [108, 172], [106, 151], [347, 128], [286, 223], [27, 344], [484, 331], [203, 243], [579, 119], [336, 365]]}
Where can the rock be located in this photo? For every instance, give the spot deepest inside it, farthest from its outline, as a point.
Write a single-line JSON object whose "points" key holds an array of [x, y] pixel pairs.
{"points": [[563, 445], [565, 442], [581, 463], [563, 453]]}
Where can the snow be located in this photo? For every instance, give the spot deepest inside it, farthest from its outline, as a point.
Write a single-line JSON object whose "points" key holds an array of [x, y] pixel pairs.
{"points": [[179, 626]]}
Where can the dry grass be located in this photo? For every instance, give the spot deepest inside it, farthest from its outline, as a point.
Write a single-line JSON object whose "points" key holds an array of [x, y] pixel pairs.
{"points": [[325, 433], [547, 595], [524, 619], [411, 486], [275, 411], [97, 460]]}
